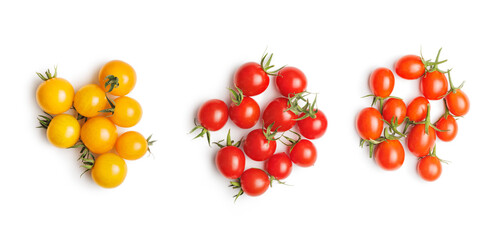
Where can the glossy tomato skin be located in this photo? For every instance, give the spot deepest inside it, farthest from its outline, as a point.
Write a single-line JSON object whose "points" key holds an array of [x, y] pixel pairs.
{"points": [[279, 166], [99, 134], [394, 108], [127, 113], [447, 123], [257, 147], [109, 170], [417, 109], [290, 80], [313, 128], [131, 145], [434, 85], [382, 82], [254, 182], [429, 168], [251, 79], [245, 115], [389, 154], [419, 142], [213, 114], [55, 95], [123, 71], [303, 153], [276, 113], [369, 123], [89, 100], [410, 67], [458, 103], [63, 131], [230, 161]]}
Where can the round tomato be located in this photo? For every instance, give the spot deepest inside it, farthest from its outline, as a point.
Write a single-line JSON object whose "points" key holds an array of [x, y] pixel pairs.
{"points": [[450, 125], [429, 168], [251, 79], [419, 142], [290, 81], [313, 128], [257, 146], [131, 145], [276, 113], [127, 112], [303, 153], [54, 95], [389, 154], [279, 166], [89, 100], [99, 134], [434, 85], [213, 114], [369, 123], [457, 102], [382, 82], [417, 109], [125, 74], [254, 182], [63, 131], [393, 109], [410, 67], [109, 170], [230, 161], [245, 114]]}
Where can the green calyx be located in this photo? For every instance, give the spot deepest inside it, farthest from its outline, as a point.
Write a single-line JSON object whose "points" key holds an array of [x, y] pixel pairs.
{"points": [[269, 134], [428, 124], [111, 109], [48, 74], [432, 66], [453, 89], [387, 135], [86, 157], [292, 142], [229, 142], [393, 126], [309, 109], [381, 100], [432, 153], [236, 96], [203, 132], [150, 142], [44, 121], [236, 185], [112, 81], [267, 67]]}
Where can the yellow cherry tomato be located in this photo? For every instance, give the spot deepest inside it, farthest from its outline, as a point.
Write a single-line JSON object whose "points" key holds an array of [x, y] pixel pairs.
{"points": [[89, 100], [63, 131], [109, 170], [99, 134], [131, 145], [54, 95], [127, 112], [125, 74]]}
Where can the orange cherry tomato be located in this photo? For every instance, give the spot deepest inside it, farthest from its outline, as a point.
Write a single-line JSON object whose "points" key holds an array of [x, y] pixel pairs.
{"points": [[131, 145], [63, 131], [125, 74], [99, 134], [89, 100], [127, 112], [54, 95], [109, 170]]}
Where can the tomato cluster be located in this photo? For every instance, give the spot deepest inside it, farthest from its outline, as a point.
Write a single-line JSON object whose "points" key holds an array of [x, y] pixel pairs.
{"points": [[418, 131], [281, 114], [93, 126]]}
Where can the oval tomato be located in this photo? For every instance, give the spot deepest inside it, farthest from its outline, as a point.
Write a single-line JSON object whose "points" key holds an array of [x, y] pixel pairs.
{"points": [[99, 134], [213, 114], [290, 81], [419, 142], [109, 170], [417, 109], [382, 82], [276, 113], [54, 95], [429, 168], [131, 145], [434, 85], [125, 74], [279, 166], [369, 123], [458, 103], [313, 128], [246, 114], [410, 67], [63, 131], [303, 153], [89, 100], [127, 112], [257, 147], [254, 182], [450, 126], [251, 79], [230, 161], [394, 108], [389, 154]]}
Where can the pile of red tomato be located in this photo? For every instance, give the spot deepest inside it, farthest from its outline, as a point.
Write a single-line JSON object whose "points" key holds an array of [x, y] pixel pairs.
{"points": [[281, 115], [418, 130], [88, 119]]}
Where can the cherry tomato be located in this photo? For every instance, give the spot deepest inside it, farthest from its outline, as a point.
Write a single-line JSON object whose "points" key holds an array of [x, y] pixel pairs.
{"points": [[303, 153], [63, 131], [99, 134], [246, 114], [251, 79], [131, 145], [369, 123], [382, 82], [389, 154], [109, 170], [279, 166], [276, 113], [89, 100], [55, 95], [254, 182], [125, 74], [257, 147], [429, 168], [434, 85], [213, 114], [127, 112], [394, 108], [230, 161], [410, 67], [419, 142], [290, 81], [313, 128], [447, 123], [458, 103], [417, 109]]}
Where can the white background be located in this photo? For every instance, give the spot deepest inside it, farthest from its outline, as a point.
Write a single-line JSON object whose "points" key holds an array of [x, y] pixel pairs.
{"points": [[185, 52]]}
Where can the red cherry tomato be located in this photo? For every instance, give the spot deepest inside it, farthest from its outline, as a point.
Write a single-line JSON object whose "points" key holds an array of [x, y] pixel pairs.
{"points": [[279, 166], [213, 114], [290, 81], [369, 123], [246, 114], [382, 82], [417, 109], [313, 128], [254, 182], [394, 109], [458, 103], [257, 147], [434, 85], [410, 67], [230, 161], [419, 142], [389, 154], [303, 153], [276, 113], [429, 168], [447, 123], [251, 79]]}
